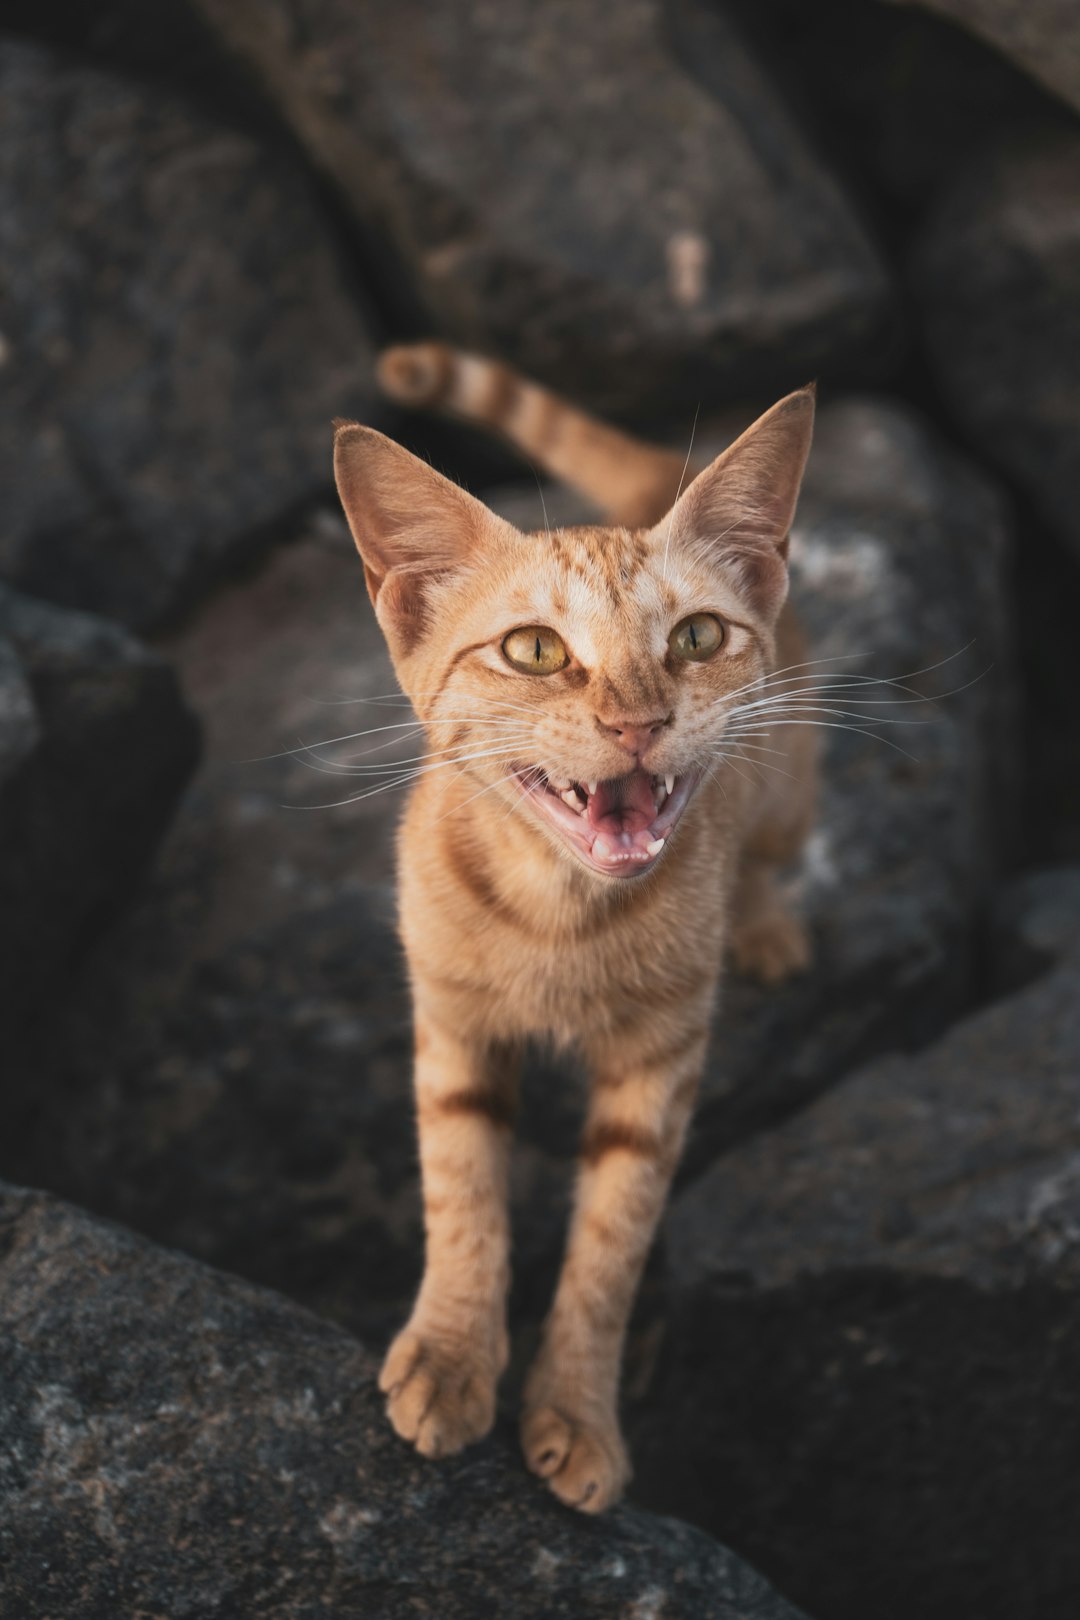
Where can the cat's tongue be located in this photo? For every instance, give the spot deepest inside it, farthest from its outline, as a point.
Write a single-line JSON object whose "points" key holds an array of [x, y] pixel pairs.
{"points": [[623, 804]]}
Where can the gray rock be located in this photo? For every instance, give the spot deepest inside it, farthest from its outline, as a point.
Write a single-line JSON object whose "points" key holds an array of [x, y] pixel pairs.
{"points": [[872, 1370], [562, 192], [175, 1441], [899, 560], [1036, 919], [1040, 36], [996, 274], [96, 745], [176, 337]]}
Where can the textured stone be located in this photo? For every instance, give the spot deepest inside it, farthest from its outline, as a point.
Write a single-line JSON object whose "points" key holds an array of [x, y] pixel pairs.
{"points": [[176, 338], [872, 1361], [96, 745], [563, 192], [893, 96], [173, 1441], [1040, 36], [996, 274]]}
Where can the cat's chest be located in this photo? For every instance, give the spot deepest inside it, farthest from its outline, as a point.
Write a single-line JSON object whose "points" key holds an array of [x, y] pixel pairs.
{"points": [[579, 986], [533, 959]]}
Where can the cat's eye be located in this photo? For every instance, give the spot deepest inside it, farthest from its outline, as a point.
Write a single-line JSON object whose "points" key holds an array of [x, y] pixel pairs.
{"points": [[697, 637], [535, 650]]}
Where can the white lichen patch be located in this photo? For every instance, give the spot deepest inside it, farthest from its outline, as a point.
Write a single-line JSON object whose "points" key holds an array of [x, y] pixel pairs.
{"points": [[818, 868], [545, 1564], [856, 568], [302, 1408], [345, 1522], [649, 1606], [1052, 1214]]}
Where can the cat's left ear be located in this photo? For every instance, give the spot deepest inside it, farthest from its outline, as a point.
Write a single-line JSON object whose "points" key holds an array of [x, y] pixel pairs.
{"points": [[411, 525], [739, 511]]}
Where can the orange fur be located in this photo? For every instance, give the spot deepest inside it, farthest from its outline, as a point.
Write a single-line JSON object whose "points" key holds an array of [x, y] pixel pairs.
{"points": [[519, 918]]}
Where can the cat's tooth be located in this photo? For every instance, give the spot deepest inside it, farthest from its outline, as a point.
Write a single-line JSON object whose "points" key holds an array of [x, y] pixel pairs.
{"points": [[570, 797], [655, 847], [559, 784], [669, 784], [591, 787], [601, 848]]}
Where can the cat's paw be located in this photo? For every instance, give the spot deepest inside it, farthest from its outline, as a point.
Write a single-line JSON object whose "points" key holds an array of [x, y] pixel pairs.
{"points": [[583, 1459], [439, 1395], [770, 946]]}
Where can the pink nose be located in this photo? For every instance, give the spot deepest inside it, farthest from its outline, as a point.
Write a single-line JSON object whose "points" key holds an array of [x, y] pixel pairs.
{"points": [[633, 735]]}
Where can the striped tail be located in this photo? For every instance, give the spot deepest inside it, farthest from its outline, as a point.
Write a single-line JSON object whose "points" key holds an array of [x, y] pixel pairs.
{"points": [[631, 482]]}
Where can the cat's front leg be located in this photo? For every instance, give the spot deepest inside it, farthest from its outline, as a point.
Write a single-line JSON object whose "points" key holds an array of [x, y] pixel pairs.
{"points": [[640, 1106], [440, 1373]]}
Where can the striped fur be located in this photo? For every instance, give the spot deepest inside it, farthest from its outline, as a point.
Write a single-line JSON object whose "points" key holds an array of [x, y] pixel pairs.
{"points": [[508, 936]]}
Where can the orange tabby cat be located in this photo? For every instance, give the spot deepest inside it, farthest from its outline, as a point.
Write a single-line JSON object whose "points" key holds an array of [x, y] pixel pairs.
{"points": [[577, 860]]}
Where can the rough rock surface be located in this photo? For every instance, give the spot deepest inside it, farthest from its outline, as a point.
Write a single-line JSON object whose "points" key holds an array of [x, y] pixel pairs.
{"points": [[894, 97], [563, 192], [96, 745], [173, 1440], [872, 1371], [1041, 36], [995, 274], [176, 338]]}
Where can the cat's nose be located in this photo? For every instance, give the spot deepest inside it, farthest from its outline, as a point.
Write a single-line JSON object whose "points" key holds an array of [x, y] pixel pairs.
{"points": [[633, 735]]}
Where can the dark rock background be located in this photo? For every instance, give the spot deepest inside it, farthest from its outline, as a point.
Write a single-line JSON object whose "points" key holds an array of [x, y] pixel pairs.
{"points": [[854, 1360]]}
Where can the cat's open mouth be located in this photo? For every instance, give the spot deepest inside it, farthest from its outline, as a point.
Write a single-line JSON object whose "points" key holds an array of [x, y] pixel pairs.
{"points": [[619, 826]]}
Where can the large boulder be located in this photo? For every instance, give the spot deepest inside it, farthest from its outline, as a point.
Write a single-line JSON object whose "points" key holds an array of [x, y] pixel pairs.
{"points": [[177, 336], [1040, 36], [871, 1375], [96, 745], [996, 276], [173, 1441], [561, 191]]}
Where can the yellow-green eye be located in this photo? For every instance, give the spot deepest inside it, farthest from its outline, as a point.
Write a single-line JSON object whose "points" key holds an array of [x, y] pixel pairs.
{"points": [[697, 637], [535, 651]]}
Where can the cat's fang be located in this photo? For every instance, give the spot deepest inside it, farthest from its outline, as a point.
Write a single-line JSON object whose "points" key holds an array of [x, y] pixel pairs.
{"points": [[571, 798], [591, 787], [655, 847], [669, 784]]}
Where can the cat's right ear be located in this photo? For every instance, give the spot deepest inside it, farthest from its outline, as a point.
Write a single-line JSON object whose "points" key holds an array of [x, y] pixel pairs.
{"points": [[411, 525]]}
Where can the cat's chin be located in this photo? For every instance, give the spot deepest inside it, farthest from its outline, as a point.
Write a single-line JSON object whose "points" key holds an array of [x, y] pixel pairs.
{"points": [[618, 827]]}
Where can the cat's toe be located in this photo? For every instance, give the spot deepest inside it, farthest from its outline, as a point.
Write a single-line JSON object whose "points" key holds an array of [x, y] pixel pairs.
{"points": [[771, 947], [440, 1397], [583, 1460]]}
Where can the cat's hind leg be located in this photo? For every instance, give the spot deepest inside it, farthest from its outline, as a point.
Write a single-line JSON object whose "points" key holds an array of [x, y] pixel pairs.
{"points": [[768, 940], [440, 1373]]}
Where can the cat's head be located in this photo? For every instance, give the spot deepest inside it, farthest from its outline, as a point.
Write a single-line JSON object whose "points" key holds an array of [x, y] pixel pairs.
{"points": [[584, 675]]}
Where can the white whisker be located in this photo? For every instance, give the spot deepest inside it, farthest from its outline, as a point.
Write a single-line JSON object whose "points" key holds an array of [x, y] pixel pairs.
{"points": [[404, 777], [678, 492]]}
